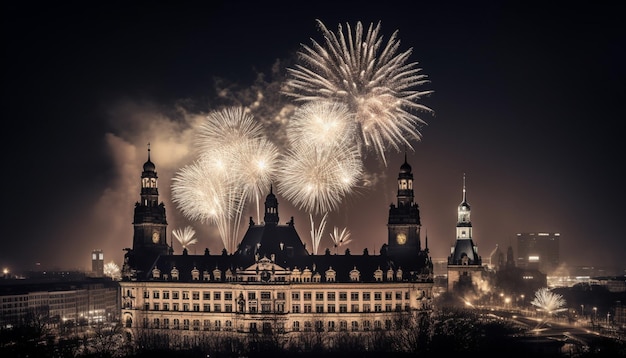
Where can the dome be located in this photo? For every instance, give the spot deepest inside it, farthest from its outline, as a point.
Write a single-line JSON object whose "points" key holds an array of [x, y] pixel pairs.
{"points": [[148, 166], [405, 168]]}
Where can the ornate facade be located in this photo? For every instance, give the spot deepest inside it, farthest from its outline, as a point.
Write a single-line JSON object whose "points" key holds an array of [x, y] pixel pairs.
{"points": [[272, 284]]}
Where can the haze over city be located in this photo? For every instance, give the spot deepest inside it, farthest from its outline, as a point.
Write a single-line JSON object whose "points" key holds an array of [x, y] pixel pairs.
{"points": [[526, 104]]}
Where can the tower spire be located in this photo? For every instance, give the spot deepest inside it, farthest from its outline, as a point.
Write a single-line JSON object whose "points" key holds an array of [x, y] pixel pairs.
{"points": [[464, 191], [405, 153]]}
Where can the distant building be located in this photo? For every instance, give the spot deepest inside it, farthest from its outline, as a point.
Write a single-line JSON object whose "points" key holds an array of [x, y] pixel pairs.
{"points": [[516, 282], [539, 251], [496, 259], [465, 269], [271, 284], [54, 302], [97, 263]]}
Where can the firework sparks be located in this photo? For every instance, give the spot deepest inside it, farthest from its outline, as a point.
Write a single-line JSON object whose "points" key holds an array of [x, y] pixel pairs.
{"points": [[322, 124], [548, 301], [235, 163], [318, 179], [340, 238], [257, 164], [316, 235], [112, 270], [377, 83], [185, 236], [228, 127], [198, 194]]}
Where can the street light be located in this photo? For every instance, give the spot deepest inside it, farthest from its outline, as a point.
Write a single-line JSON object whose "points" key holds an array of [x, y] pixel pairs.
{"points": [[582, 310], [595, 313]]}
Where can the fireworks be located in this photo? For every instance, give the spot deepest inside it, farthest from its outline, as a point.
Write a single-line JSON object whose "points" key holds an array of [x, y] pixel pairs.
{"points": [[548, 301], [316, 235], [376, 83], [185, 237], [340, 237], [323, 124], [112, 270], [235, 163], [198, 194], [355, 93], [228, 127], [318, 179]]}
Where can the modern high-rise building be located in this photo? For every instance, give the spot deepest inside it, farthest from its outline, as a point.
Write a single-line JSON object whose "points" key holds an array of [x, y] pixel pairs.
{"points": [[271, 284], [97, 263], [538, 251]]}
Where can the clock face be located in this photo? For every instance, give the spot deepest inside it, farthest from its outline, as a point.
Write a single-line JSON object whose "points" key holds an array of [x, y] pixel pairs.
{"points": [[155, 237], [401, 238]]}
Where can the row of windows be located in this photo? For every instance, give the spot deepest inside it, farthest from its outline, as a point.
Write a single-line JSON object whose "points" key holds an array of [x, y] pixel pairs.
{"points": [[307, 326], [279, 308], [267, 295]]}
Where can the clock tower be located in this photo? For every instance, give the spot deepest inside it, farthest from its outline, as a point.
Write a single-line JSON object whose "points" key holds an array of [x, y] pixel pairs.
{"points": [[149, 223], [404, 218]]}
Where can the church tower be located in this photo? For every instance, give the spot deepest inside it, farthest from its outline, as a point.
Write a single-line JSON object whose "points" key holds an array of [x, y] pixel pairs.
{"points": [[464, 251], [404, 224], [149, 223], [464, 264]]}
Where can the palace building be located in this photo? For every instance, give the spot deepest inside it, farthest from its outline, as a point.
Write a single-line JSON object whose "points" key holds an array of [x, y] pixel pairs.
{"points": [[271, 284]]}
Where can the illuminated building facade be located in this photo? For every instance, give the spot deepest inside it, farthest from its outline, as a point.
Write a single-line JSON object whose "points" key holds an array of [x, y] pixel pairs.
{"points": [[272, 285], [88, 301], [539, 251], [465, 267]]}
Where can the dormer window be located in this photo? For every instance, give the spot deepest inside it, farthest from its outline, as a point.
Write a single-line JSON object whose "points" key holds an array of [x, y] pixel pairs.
{"points": [[156, 273], [378, 275], [355, 274], [390, 275], [217, 274], [331, 275], [399, 274], [296, 275], [306, 275]]}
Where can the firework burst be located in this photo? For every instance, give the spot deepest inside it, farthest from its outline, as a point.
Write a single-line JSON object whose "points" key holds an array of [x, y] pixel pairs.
{"points": [[185, 236], [236, 163], [198, 194], [340, 238], [548, 301], [318, 179], [321, 123], [228, 127], [376, 82], [112, 270]]}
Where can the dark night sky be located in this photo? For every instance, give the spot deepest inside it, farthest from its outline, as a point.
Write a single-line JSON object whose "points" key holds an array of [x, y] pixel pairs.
{"points": [[528, 101]]}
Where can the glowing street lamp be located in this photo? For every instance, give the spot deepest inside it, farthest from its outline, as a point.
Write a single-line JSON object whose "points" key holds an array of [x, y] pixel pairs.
{"points": [[595, 313]]}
